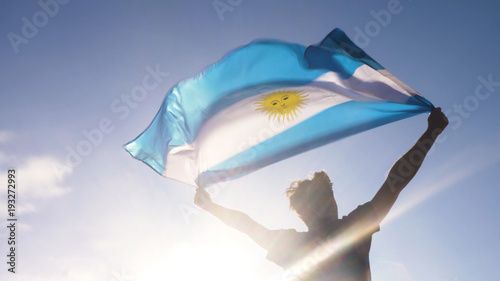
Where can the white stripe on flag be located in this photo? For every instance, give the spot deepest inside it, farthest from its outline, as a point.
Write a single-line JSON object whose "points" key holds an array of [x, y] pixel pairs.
{"points": [[239, 127]]}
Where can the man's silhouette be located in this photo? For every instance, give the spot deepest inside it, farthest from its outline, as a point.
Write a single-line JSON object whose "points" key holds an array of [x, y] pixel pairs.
{"points": [[332, 248]]}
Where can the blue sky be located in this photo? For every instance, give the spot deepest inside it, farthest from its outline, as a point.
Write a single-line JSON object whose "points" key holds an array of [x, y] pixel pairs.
{"points": [[101, 215]]}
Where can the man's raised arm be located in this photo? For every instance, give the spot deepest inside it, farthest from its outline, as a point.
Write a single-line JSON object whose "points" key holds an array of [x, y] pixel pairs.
{"points": [[233, 218], [403, 171]]}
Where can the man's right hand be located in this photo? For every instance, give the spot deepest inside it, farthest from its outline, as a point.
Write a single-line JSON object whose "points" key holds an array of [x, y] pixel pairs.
{"points": [[437, 120], [202, 198]]}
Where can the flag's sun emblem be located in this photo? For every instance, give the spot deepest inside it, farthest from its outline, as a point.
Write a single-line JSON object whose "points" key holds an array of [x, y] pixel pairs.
{"points": [[281, 104]]}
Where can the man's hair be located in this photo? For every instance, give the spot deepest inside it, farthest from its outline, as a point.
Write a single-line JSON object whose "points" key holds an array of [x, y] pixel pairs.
{"points": [[304, 194]]}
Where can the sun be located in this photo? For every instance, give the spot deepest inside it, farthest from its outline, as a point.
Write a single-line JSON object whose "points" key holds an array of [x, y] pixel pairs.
{"points": [[281, 104]]}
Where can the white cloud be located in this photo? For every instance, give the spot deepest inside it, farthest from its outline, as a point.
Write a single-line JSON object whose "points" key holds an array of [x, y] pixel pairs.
{"points": [[6, 136], [41, 178], [37, 178], [24, 227], [4, 158], [25, 208]]}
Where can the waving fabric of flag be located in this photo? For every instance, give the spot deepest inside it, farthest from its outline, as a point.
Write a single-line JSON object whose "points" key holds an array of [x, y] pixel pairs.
{"points": [[267, 101]]}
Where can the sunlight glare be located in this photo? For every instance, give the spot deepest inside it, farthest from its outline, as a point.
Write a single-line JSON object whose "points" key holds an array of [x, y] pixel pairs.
{"points": [[196, 262]]}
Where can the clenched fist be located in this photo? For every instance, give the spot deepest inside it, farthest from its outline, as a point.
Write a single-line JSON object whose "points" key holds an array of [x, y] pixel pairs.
{"points": [[202, 198]]}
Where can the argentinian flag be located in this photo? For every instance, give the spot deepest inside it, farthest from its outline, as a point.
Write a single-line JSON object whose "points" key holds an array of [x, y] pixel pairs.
{"points": [[268, 101]]}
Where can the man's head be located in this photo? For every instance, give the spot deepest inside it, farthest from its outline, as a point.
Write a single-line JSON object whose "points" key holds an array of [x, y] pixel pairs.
{"points": [[312, 199]]}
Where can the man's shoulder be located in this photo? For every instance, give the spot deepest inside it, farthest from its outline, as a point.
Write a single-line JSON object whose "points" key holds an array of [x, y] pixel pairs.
{"points": [[287, 246], [364, 216], [280, 237], [281, 234], [361, 210]]}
